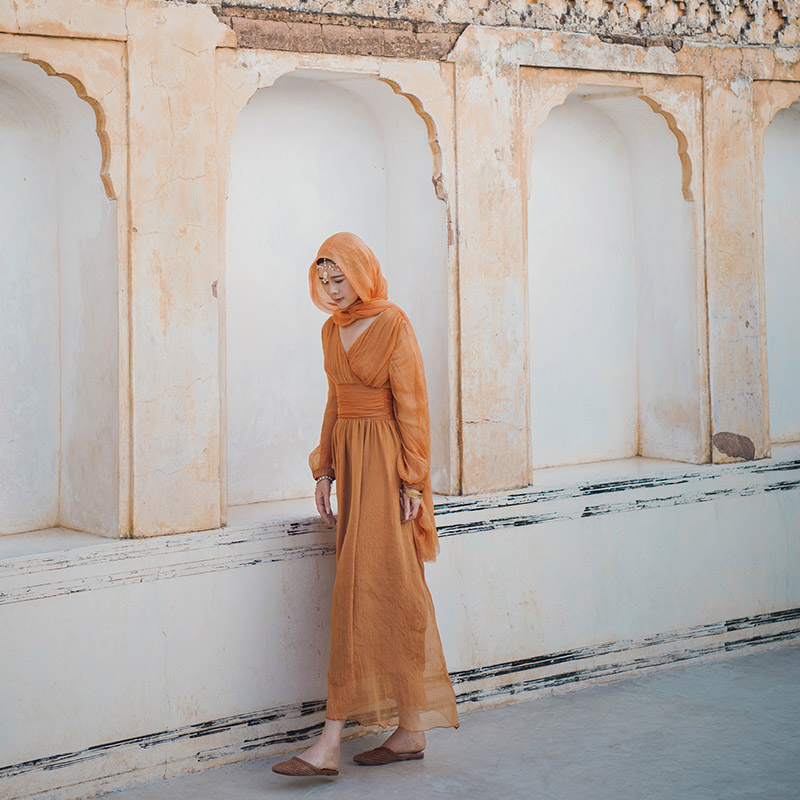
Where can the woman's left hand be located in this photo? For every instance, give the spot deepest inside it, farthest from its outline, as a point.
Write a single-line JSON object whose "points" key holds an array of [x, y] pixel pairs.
{"points": [[409, 506]]}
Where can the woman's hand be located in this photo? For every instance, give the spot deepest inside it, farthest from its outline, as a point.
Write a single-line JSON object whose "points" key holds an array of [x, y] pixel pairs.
{"points": [[322, 497], [409, 506]]}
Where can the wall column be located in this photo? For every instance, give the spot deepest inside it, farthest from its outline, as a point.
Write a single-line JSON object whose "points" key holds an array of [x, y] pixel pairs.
{"points": [[493, 285], [174, 267], [737, 359]]}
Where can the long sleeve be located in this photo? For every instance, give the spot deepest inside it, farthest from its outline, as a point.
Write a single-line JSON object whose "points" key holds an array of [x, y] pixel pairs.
{"points": [[320, 460], [407, 379]]}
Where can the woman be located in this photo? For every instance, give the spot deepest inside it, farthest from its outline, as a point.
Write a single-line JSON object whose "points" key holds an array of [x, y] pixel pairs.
{"points": [[386, 664]]}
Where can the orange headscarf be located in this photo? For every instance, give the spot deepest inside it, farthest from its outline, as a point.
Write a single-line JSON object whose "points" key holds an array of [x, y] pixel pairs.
{"points": [[363, 271]]}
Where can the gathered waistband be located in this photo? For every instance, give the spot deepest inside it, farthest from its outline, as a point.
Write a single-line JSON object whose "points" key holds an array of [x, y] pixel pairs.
{"points": [[355, 400]]}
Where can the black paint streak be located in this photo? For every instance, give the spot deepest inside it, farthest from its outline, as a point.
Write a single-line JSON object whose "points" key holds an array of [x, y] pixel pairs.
{"points": [[482, 526], [609, 648], [606, 670]]}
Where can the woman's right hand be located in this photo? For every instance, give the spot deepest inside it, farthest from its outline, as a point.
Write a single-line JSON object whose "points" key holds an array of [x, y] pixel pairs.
{"points": [[322, 497]]}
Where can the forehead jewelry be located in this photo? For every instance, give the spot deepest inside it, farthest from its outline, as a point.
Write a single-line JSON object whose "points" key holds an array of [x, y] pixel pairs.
{"points": [[325, 264]]}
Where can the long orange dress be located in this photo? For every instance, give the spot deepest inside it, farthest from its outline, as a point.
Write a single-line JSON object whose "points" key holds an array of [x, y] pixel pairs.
{"points": [[386, 662]]}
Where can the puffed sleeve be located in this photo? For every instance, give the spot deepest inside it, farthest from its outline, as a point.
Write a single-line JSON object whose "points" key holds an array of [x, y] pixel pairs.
{"points": [[407, 379], [320, 460]]}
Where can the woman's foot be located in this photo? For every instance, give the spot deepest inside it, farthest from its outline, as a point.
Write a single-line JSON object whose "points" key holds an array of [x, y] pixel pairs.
{"points": [[402, 745], [403, 741], [324, 753]]}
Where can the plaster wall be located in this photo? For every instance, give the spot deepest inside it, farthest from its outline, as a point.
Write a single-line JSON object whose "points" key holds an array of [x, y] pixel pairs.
{"points": [[316, 153], [61, 394], [782, 271], [582, 290], [29, 452]]}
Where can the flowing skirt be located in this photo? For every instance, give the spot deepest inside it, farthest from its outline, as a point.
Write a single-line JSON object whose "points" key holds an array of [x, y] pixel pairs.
{"points": [[386, 662]]}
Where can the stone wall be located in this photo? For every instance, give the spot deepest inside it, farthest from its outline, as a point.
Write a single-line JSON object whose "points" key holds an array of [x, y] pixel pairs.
{"points": [[583, 207]]}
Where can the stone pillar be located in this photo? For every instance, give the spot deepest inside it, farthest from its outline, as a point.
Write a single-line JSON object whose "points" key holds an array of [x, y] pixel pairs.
{"points": [[492, 279], [737, 359], [174, 209]]}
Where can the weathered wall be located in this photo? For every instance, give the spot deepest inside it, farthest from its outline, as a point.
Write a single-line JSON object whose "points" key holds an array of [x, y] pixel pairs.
{"points": [[180, 647]]}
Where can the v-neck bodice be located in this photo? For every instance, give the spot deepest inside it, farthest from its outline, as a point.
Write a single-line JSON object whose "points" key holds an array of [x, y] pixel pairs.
{"points": [[367, 359], [359, 337]]}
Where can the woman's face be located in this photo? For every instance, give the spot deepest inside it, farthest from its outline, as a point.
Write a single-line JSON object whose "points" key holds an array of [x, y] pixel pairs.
{"points": [[335, 284]]}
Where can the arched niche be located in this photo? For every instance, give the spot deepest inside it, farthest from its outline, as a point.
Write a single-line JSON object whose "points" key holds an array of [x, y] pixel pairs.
{"points": [[315, 153], [59, 462], [615, 363], [781, 170]]}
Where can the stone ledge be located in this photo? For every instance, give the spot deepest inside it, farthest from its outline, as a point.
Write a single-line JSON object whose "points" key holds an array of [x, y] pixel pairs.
{"points": [[280, 531]]}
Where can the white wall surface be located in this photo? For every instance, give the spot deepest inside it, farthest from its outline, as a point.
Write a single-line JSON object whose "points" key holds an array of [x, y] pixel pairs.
{"points": [[29, 323], [615, 366], [782, 272], [668, 363], [89, 330], [314, 155], [60, 397], [581, 262]]}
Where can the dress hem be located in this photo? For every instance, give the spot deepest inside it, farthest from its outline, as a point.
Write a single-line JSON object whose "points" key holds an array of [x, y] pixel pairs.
{"points": [[390, 724]]}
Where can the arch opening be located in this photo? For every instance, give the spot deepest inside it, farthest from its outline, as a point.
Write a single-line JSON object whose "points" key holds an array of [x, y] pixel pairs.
{"points": [[319, 152], [59, 462], [614, 342], [782, 272]]}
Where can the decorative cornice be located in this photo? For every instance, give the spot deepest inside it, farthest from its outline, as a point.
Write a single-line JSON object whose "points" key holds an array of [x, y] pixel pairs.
{"points": [[642, 22]]}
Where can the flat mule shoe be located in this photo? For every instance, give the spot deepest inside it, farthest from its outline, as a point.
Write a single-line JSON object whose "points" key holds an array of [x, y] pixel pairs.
{"points": [[301, 769], [383, 755]]}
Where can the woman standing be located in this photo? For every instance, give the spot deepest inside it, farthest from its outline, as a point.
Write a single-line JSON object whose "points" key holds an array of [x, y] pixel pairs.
{"points": [[386, 664]]}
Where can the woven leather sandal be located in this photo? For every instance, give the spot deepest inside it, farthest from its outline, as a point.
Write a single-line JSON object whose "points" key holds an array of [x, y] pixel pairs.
{"points": [[301, 769], [383, 755]]}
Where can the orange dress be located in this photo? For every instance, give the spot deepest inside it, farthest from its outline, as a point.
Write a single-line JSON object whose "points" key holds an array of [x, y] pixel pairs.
{"points": [[386, 662]]}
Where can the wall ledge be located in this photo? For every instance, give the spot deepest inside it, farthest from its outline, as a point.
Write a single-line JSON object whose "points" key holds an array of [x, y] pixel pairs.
{"points": [[51, 563]]}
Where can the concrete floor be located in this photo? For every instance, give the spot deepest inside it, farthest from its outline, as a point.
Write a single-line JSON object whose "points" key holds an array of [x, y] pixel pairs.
{"points": [[728, 728]]}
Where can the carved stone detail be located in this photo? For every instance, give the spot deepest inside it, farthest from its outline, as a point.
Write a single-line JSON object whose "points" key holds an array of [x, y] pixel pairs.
{"points": [[752, 22]]}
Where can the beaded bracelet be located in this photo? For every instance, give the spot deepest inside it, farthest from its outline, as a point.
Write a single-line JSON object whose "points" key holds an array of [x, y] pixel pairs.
{"points": [[325, 478]]}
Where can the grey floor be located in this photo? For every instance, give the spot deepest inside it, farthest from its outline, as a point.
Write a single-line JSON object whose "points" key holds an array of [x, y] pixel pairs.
{"points": [[727, 728]]}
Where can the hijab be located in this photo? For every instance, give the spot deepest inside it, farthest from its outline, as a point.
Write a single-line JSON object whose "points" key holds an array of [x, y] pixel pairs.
{"points": [[363, 271]]}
